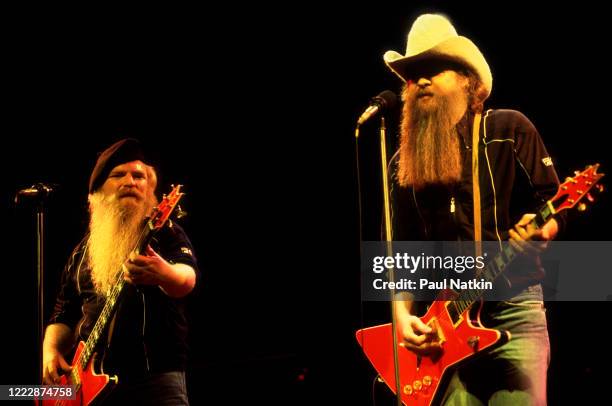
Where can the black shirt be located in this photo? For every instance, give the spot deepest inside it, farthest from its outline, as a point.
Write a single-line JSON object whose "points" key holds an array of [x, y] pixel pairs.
{"points": [[516, 176]]}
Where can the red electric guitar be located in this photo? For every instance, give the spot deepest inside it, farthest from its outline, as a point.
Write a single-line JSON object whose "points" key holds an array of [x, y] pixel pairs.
{"points": [[461, 336], [89, 385]]}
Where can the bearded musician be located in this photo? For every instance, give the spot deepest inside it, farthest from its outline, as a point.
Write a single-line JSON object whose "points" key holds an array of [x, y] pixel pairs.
{"points": [[145, 344]]}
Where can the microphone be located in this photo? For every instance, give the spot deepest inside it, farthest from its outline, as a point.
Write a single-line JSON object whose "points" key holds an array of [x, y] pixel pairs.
{"points": [[384, 101], [39, 190]]}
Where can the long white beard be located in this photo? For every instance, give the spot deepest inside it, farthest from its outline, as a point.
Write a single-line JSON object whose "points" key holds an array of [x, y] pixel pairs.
{"points": [[113, 235]]}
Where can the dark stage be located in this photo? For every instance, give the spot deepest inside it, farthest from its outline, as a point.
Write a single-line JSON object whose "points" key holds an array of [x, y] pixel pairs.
{"points": [[255, 117]]}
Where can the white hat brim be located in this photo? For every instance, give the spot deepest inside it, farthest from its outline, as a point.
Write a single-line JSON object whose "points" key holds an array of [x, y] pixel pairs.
{"points": [[459, 49]]}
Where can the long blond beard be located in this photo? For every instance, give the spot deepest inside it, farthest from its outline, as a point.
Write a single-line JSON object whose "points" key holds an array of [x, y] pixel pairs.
{"points": [[430, 151], [113, 234]]}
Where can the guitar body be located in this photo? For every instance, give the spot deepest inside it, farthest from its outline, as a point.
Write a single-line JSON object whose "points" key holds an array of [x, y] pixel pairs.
{"points": [[93, 386], [423, 379]]}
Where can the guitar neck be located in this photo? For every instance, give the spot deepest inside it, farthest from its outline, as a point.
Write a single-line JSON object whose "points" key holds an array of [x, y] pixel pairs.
{"points": [[112, 298], [498, 264]]}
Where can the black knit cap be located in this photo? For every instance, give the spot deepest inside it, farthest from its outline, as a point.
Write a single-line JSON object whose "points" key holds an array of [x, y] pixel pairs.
{"points": [[125, 150]]}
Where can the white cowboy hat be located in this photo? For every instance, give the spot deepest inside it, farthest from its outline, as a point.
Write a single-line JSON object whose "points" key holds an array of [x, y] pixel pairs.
{"points": [[433, 36]]}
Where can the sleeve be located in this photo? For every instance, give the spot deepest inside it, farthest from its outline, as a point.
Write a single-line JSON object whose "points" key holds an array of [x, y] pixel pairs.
{"points": [[67, 309], [172, 243], [536, 163]]}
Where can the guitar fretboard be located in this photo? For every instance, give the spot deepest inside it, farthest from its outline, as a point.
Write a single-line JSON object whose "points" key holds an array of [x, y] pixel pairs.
{"points": [[494, 269], [112, 298]]}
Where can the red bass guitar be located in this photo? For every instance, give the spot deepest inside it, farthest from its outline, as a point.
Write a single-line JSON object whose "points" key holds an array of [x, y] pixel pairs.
{"points": [[458, 331]]}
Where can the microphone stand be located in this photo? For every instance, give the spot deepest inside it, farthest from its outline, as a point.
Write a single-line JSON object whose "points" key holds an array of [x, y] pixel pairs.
{"points": [[389, 246], [40, 192], [40, 272]]}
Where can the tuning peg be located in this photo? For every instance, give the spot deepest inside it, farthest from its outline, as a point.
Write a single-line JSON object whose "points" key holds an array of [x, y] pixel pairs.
{"points": [[600, 187], [180, 213], [590, 197], [582, 207]]}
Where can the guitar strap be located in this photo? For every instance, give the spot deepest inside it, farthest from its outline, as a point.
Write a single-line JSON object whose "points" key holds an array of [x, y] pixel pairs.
{"points": [[476, 184]]}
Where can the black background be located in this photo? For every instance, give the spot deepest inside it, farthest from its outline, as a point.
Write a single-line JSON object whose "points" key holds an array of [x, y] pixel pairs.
{"points": [[252, 108]]}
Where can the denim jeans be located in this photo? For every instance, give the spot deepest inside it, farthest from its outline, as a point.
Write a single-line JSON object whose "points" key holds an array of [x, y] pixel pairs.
{"points": [[515, 373], [164, 389]]}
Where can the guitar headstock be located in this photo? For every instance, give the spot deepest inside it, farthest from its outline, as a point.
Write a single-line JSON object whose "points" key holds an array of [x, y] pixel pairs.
{"points": [[162, 212], [575, 188]]}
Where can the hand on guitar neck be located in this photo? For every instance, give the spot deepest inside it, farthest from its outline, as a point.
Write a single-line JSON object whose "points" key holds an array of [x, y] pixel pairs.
{"points": [[527, 239]]}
